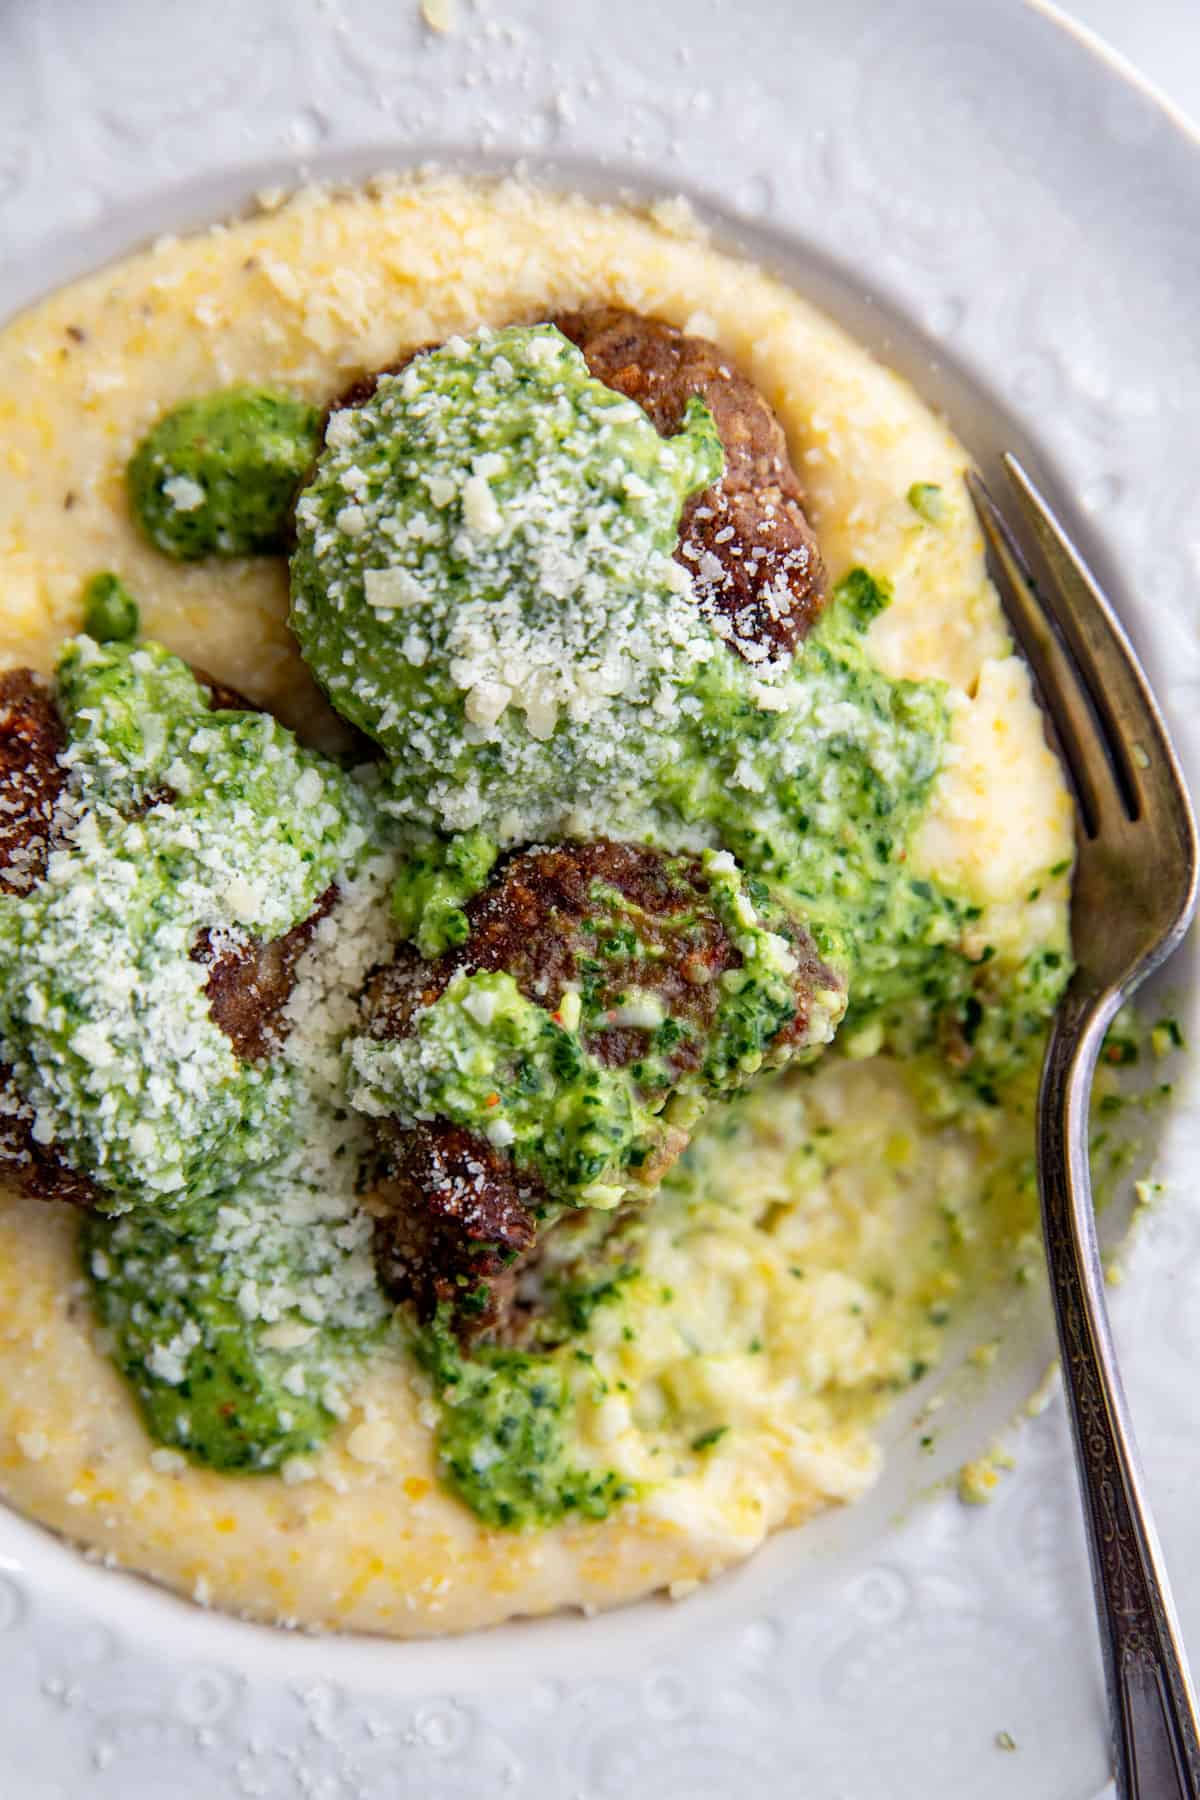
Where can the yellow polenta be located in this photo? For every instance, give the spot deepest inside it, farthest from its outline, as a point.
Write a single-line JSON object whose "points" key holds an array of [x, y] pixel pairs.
{"points": [[803, 1277]]}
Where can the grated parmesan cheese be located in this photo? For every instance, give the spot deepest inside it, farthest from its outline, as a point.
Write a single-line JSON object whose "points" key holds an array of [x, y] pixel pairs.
{"points": [[498, 603], [103, 1013]]}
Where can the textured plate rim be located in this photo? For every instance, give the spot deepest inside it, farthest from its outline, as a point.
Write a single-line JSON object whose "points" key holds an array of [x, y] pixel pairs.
{"points": [[301, 1657]]}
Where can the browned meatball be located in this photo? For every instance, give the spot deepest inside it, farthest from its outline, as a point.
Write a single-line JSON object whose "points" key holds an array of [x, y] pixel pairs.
{"points": [[31, 782], [455, 1216], [745, 541], [31, 779], [454, 1222], [36, 1169], [538, 916], [248, 987]]}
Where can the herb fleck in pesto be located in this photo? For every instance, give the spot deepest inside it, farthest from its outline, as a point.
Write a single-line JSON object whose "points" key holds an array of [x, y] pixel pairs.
{"points": [[578, 1299], [1166, 1036], [862, 597]]}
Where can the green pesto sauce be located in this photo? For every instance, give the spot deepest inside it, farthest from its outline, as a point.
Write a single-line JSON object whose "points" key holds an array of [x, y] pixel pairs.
{"points": [[109, 609], [217, 475], [232, 1264], [434, 886], [486, 1057], [241, 1330], [178, 820], [483, 580], [821, 802], [502, 1435], [230, 1391]]}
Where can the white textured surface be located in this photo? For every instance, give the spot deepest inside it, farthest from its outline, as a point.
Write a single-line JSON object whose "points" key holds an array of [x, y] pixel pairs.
{"points": [[1160, 39], [962, 171]]}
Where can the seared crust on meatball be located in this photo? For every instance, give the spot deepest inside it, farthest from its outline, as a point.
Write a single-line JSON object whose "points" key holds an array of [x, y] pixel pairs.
{"points": [[538, 916], [221, 697], [31, 781], [454, 1222], [745, 540], [36, 1169], [545, 919], [31, 778], [360, 391], [248, 985]]}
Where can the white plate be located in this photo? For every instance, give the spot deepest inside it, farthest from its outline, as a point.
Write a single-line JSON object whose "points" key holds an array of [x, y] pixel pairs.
{"points": [[1011, 222]]}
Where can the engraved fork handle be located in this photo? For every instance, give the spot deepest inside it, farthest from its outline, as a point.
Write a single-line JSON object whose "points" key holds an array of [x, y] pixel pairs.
{"points": [[1156, 1747]]}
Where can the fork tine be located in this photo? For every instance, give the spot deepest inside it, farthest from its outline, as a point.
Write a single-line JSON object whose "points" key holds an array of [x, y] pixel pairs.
{"points": [[1060, 689], [1107, 661]]}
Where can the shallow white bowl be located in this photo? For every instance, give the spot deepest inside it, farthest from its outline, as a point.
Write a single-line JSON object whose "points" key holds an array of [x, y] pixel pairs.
{"points": [[1010, 222]]}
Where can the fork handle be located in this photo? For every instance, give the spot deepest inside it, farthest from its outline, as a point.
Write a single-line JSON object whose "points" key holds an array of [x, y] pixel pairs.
{"points": [[1156, 1745]]}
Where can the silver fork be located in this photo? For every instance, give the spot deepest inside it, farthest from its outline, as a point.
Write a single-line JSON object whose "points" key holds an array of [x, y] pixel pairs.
{"points": [[1134, 895]]}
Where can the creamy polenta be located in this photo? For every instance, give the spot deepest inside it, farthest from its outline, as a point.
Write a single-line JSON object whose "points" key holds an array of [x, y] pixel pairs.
{"points": [[721, 1373]]}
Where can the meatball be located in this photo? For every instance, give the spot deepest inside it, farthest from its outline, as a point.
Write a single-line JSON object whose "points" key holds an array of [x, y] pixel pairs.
{"points": [[248, 986], [540, 914], [745, 541], [31, 781], [454, 1222], [31, 778], [36, 1169], [456, 1215]]}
